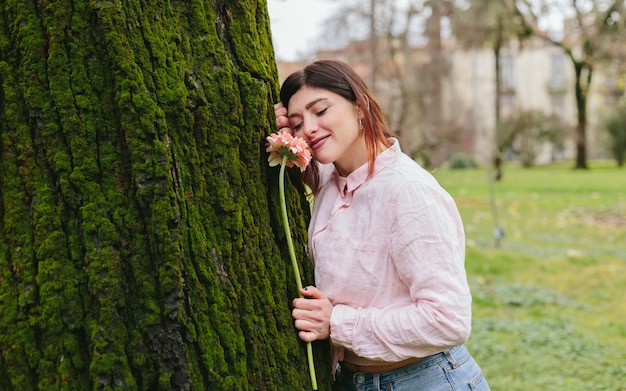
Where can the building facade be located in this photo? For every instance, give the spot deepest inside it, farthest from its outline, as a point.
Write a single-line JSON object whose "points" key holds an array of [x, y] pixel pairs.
{"points": [[535, 76]]}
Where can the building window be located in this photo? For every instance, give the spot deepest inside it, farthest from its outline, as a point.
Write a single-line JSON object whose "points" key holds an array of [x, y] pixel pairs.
{"points": [[558, 105], [507, 73], [557, 75], [507, 105]]}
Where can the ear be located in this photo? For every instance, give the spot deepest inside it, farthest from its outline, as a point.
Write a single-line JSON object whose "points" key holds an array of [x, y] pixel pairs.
{"points": [[359, 111]]}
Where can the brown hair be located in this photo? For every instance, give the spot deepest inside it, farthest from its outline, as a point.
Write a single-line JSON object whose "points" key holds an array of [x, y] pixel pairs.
{"points": [[338, 77]]}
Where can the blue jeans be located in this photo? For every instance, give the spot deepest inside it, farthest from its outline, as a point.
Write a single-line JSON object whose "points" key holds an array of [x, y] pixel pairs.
{"points": [[452, 369]]}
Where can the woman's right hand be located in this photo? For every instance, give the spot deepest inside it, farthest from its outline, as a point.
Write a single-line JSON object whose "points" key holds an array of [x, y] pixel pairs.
{"points": [[282, 122]]}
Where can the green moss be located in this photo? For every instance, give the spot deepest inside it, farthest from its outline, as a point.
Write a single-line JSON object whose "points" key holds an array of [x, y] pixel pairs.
{"points": [[139, 236]]}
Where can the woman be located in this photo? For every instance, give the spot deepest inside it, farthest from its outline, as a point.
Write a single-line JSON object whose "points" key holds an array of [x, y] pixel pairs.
{"points": [[387, 243]]}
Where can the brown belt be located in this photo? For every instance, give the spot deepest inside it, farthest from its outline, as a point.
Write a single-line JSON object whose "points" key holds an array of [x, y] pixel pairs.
{"points": [[378, 368]]}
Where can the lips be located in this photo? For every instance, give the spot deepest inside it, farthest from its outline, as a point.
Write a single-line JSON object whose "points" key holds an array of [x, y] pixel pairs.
{"points": [[318, 142]]}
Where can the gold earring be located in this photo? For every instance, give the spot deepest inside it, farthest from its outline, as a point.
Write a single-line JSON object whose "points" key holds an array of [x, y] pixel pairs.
{"points": [[360, 123]]}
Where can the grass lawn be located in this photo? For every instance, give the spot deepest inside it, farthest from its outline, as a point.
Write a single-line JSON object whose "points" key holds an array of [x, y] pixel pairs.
{"points": [[550, 301]]}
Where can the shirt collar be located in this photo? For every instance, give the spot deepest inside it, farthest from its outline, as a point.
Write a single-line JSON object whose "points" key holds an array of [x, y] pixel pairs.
{"points": [[357, 177]]}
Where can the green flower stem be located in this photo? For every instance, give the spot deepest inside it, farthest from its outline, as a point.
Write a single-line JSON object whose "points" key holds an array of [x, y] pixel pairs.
{"points": [[294, 263]]}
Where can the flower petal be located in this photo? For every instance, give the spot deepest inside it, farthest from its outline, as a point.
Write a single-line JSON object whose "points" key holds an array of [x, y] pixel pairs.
{"points": [[285, 144]]}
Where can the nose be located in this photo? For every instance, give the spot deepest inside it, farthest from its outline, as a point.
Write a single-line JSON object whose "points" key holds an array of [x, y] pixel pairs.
{"points": [[310, 126]]}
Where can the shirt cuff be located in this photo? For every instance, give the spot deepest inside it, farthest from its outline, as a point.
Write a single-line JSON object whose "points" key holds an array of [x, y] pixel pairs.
{"points": [[342, 322]]}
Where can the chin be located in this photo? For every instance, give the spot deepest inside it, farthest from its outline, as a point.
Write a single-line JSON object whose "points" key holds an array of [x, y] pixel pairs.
{"points": [[323, 160]]}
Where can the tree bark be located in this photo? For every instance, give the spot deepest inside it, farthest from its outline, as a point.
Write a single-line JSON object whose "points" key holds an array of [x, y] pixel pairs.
{"points": [[140, 238], [582, 86]]}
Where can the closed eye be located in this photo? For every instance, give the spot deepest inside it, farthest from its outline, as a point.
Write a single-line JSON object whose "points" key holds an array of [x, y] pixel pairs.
{"points": [[321, 112]]}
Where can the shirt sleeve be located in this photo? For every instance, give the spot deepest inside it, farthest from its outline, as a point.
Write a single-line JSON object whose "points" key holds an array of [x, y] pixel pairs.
{"points": [[428, 250]]}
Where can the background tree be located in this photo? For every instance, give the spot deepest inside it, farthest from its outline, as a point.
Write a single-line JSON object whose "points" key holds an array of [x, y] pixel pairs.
{"points": [[589, 28], [527, 133], [479, 23], [384, 30], [401, 43], [615, 126], [139, 244], [437, 128]]}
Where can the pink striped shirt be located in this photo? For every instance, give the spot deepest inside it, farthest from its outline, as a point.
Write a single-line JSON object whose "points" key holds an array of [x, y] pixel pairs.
{"points": [[389, 254]]}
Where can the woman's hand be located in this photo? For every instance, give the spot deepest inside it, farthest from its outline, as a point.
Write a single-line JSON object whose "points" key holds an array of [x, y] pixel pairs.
{"points": [[312, 314], [282, 122]]}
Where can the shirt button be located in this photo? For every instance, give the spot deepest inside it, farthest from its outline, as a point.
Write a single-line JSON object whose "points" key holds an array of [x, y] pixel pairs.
{"points": [[360, 378]]}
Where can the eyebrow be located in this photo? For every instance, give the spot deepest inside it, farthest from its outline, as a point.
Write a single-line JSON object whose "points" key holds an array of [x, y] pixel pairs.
{"points": [[308, 106]]}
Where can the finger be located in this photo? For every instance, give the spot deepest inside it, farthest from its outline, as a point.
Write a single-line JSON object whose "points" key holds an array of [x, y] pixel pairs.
{"points": [[308, 326], [307, 336], [279, 109], [282, 122], [304, 308], [312, 292], [297, 313], [303, 304], [304, 325]]}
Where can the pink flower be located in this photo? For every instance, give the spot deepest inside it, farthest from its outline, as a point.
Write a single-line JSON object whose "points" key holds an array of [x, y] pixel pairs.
{"points": [[288, 151], [295, 149]]}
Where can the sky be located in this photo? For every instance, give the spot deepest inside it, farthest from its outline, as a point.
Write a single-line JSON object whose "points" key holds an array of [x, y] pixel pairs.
{"points": [[296, 24]]}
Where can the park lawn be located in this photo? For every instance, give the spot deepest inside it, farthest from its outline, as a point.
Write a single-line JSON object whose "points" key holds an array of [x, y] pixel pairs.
{"points": [[550, 300]]}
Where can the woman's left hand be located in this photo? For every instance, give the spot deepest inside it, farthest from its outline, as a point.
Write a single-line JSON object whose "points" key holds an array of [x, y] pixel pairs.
{"points": [[312, 314]]}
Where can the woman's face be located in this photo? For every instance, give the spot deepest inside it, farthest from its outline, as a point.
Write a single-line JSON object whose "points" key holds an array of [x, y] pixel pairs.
{"points": [[330, 125]]}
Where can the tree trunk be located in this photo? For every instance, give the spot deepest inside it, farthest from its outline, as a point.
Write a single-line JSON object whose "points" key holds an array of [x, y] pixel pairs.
{"points": [[373, 71], [582, 87], [496, 160], [433, 83], [140, 237]]}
